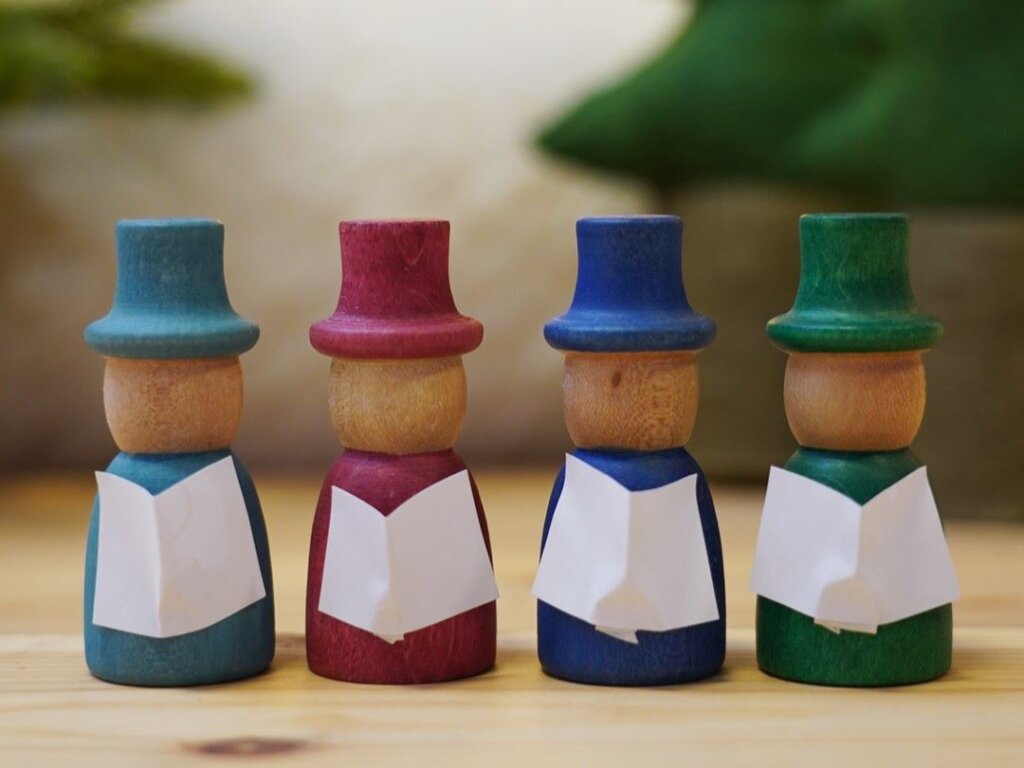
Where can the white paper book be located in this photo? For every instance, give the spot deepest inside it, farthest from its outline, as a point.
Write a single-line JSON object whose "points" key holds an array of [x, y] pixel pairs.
{"points": [[423, 563], [626, 560], [852, 567], [178, 561]]}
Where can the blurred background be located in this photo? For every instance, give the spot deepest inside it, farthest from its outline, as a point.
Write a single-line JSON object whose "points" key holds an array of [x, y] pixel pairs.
{"points": [[512, 120]]}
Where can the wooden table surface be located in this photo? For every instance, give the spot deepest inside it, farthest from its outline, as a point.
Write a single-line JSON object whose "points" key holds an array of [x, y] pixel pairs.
{"points": [[53, 713]]}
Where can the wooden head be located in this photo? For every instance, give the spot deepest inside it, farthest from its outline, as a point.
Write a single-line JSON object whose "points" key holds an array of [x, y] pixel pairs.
{"points": [[643, 401], [398, 406], [173, 406], [871, 401]]}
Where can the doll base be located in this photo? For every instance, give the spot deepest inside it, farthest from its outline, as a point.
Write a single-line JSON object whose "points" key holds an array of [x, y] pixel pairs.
{"points": [[914, 650], [459, 647], [571, 649]]}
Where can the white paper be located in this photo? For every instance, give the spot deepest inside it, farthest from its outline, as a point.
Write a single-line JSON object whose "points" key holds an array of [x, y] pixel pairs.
{"points": [[176, 562], [626, 560], [423, 563], [848, 566]]}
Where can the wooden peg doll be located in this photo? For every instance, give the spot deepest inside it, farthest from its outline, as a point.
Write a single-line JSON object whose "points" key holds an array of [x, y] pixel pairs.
{"points": [[178, 586], [630, 585], [852, 572], [401, 588]]}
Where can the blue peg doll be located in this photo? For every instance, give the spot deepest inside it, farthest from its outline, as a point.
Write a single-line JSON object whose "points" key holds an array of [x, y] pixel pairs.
{"points": [[178, 587], [630, 584]]}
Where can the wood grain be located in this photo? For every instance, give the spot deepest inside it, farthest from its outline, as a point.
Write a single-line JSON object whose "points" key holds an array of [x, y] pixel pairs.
{"points": [[398, 406], [53, 713], [642, 401], [855, 402], [173, 406]]}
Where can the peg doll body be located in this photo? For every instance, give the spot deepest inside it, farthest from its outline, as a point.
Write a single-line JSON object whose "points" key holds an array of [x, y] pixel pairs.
{"points": [[867, 600], [623, 613], [178, 587], [397, 401]]}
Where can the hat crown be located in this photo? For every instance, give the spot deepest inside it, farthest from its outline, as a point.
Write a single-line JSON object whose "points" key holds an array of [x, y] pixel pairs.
{"points": [[395, 269], [629, 294], [170, 300], [629, 263], [167, 266], [854, 293], [395, 299], [854, 263]]}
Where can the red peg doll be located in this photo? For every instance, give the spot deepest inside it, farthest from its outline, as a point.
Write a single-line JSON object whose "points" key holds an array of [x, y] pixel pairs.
{"points": [[401, 588]]}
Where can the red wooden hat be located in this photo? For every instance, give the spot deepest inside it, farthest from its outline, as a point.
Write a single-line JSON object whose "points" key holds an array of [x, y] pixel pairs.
{"points": [[396, 301]]}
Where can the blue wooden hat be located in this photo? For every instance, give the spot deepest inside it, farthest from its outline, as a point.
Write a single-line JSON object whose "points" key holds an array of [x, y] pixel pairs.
{"points": [[629, 290], [170, 300]]}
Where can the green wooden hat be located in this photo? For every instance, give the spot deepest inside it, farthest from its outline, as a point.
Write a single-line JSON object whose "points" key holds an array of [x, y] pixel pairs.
{"points": [[854, 293]]}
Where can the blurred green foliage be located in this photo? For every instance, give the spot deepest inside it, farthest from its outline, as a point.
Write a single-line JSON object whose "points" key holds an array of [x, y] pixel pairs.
{"points": [[86, 50], [906, 101]]}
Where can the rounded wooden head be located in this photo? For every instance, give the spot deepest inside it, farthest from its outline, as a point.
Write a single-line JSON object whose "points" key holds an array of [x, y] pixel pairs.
{"points": [[643, 401], [398, 406], [173, 406], [855, 402]]}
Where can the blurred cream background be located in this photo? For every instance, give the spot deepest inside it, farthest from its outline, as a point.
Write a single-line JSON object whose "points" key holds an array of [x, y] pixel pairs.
{"points": [[428, 109], [364, 109]]}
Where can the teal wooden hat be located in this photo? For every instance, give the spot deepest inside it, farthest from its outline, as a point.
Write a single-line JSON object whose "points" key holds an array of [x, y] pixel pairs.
{"points": [[854, 293], [171, 301]]}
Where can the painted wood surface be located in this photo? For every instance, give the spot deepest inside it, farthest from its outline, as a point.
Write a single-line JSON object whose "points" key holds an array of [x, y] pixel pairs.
{"points": [[238, 646], [854, 398], [854, 293], [395, 299], [397, 400], [629, 294], [792, 646], [630, 393], [573, 649], [171, 302], [457, 647], [173, 396]]}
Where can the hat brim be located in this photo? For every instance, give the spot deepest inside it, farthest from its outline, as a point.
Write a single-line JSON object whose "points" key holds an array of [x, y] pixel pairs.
{"points": [[845, 332], [146, 336], [371, 337], [633, 332]]}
